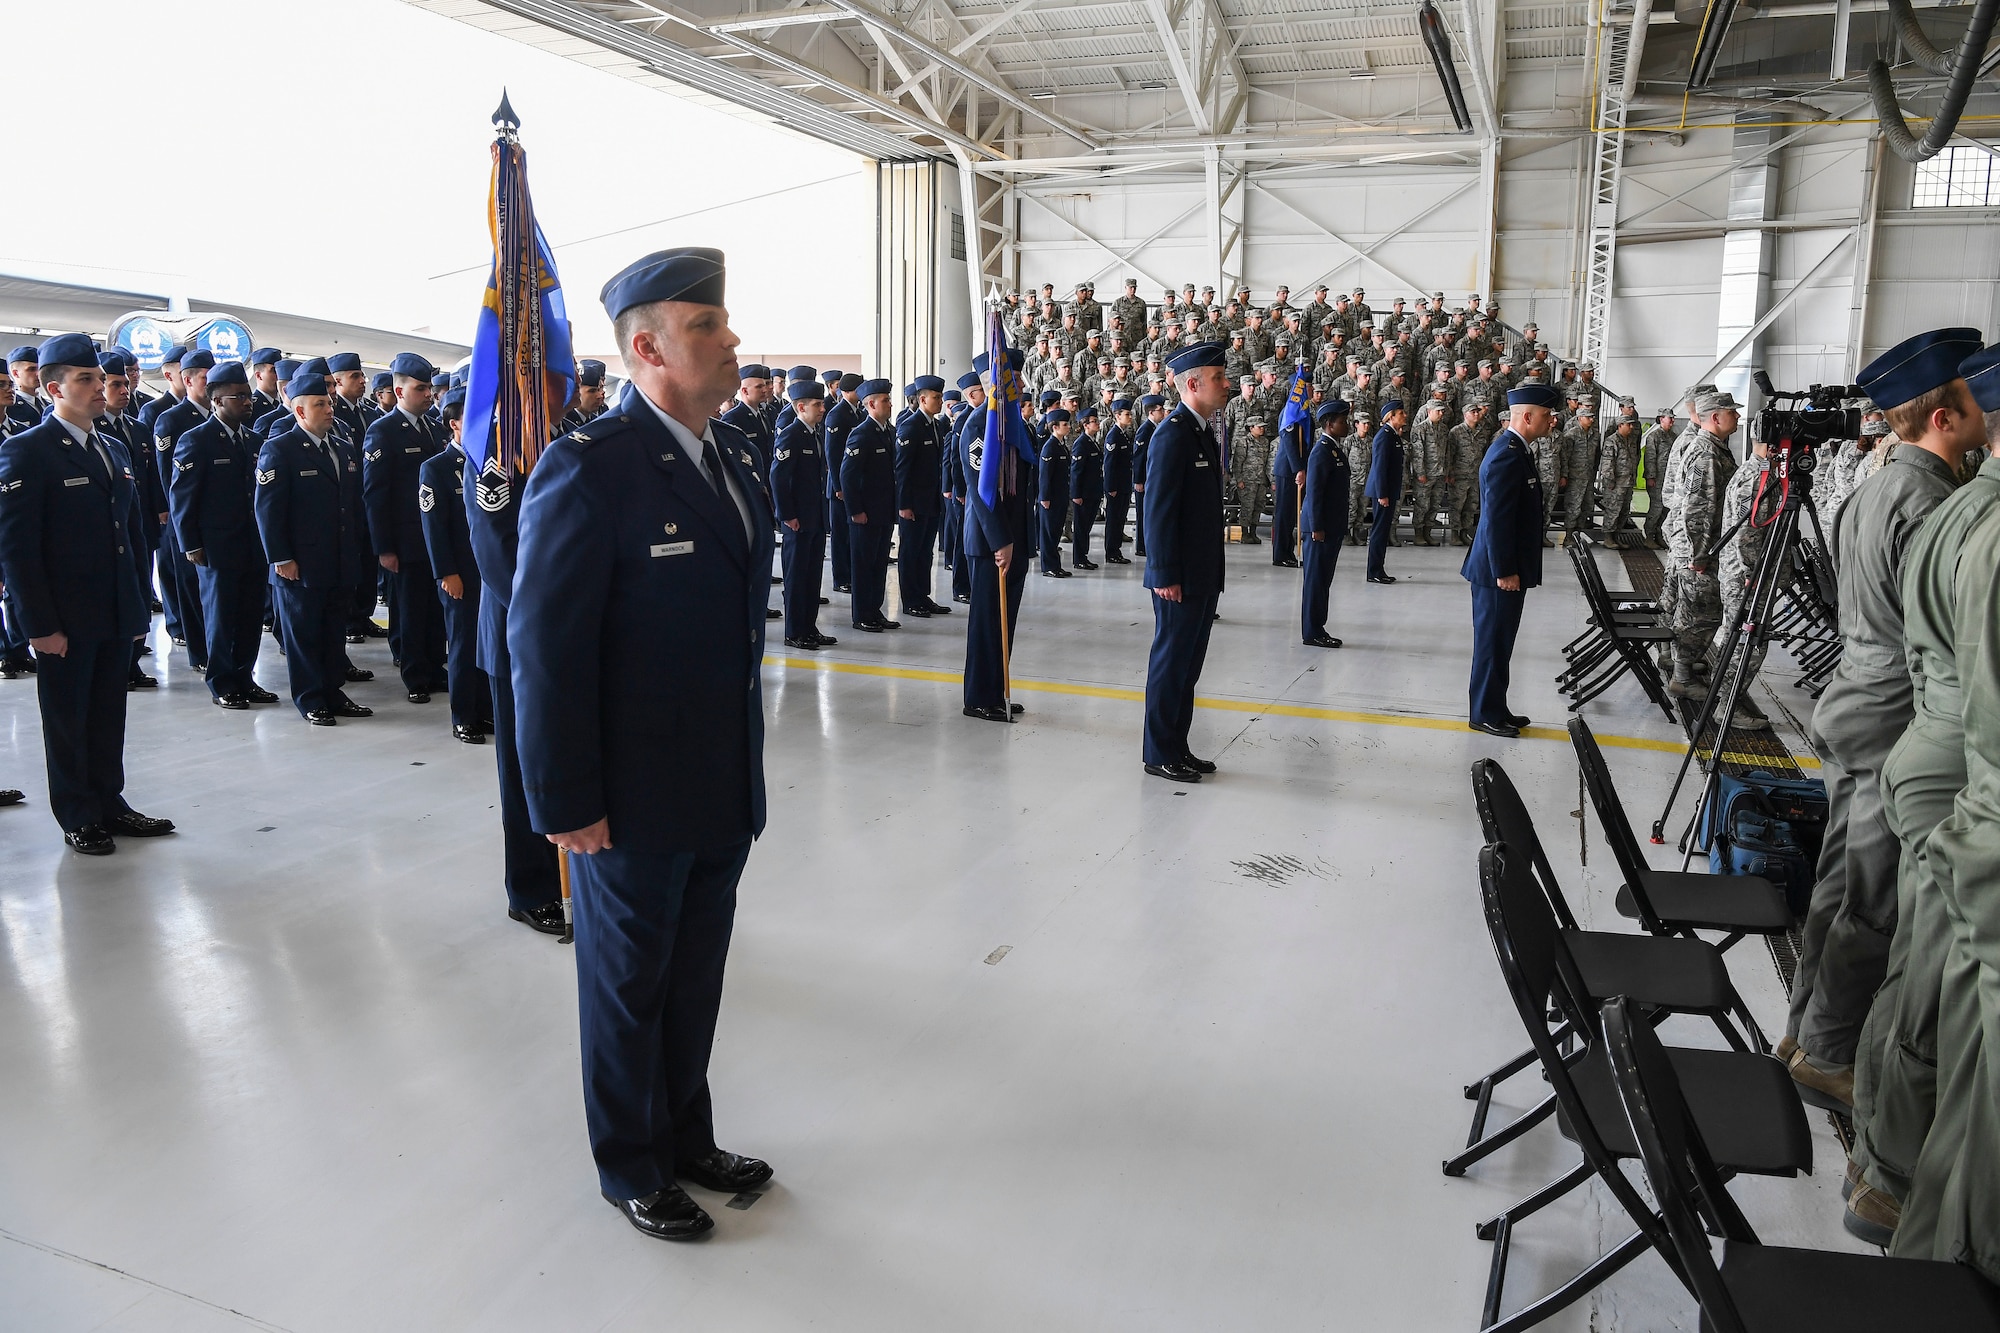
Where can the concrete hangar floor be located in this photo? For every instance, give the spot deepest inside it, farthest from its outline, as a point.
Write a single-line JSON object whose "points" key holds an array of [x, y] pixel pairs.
{"points": [[1034, 1041]]}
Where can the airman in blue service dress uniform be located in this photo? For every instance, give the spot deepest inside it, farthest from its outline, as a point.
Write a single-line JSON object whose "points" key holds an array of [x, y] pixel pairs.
{"points": [[1052, 495], [637, 629], [1506, 556], [493, 511], [1117, 480], [1322, 519], [1385, 487], [996, 549], [215, 526], [393, 452], [798, 491], [749, 415], [1086, 484], [448, 543], [185, 415], [868, 488], [120, 425], [958, 484], [919, 470], [843, 413], [1184, 560], [309, 516], [69, 514], [1153, 407], [352, 415]]}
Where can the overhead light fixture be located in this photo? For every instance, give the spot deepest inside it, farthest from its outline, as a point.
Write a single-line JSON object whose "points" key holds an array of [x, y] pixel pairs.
{"points": [[1363, 73], [1043, 96], [1153, 86]]}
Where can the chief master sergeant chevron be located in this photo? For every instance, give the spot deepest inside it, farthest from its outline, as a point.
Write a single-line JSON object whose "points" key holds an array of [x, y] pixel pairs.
{"points": [[637, 630]]}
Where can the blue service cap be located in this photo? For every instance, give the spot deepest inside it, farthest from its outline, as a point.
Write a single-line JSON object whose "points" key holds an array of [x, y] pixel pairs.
{"points": [[797, 373], [1388, 405], [927, 384], [198, 359], [691, 273], [1055, 415], [754, 371], [288, 368], [589, 373], [404, 363], [382, 380], [829, 377], [114, 362], [314, 365], [851, 382], [1015, 358], [172, 356], [1196, 356], [953, 396], [441, 380], [812, 389], [869, 388], [342, 362], [306, 384], [1048, 396], [453, 397], [1087, 413], [229, 372], [266, 356], [1981, 373], [1917, 365], [25, 352], [67, 349], [1149, 401], [910, 389], [968, 379], [1121, 405], [1535, 395], [1331, 408]]}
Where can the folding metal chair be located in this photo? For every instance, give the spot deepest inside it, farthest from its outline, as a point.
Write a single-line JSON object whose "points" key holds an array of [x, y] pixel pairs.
{"points": [[1745, 1103], [1766, 1288], [1674, 902]]}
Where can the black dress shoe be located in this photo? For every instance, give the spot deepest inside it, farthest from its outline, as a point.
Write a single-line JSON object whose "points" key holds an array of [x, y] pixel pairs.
{"points": [[935, 608], [773, 613], [986, 714], [153, 605], [9, 796], [1116, 560], [547, 918], [355, 675], [1016, 708], [1505, 729], [1289, 564], [370, 629], [963, 599], [180, 643], [234, 702], [135, 825], [470, 735], [418, 696], [1139, 551], [1198, 765], [257, 694], [1518, 720], [725, 1172], [352, 638], [890, 624], [1173, 772], [141, 681], [1086, 564], [349, 708], [843, 587], [322, 717], [824, 640], [919, 612], [870, 626], [667, 1215], [1381, 578], [804, 645], [826, 601], [14, 670], [91, 840], [1322, 640], [776, 580]]}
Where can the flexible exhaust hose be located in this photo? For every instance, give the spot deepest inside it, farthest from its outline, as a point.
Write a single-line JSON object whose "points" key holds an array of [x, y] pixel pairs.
{"points": [[1962, 70]]}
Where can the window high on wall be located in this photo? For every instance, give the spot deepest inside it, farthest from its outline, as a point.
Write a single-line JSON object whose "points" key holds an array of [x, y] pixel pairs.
{"points": [[1962, 176]]}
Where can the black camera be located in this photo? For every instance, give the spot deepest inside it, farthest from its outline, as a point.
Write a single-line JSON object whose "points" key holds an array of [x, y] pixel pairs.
{"points": [[1797, 423]]}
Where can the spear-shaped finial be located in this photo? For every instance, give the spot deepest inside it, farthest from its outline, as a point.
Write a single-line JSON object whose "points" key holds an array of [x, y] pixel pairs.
{"points": [[504, 119]]}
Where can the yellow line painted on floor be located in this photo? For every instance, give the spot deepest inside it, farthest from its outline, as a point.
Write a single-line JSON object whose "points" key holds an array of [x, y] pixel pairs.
{"points": [[1247, 706]]}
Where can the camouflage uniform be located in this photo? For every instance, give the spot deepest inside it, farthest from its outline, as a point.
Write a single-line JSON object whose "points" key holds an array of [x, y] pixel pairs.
{"points": [[1741, 557], [1468, 444], [1128, 316], [1579, 470], [1706, 467], [1548, 453], [1658, 442], [1249, 461], [1236, 362], [1359, 446], [1257, 341], [1425, 461], [1618, 464], [1089, 314]]}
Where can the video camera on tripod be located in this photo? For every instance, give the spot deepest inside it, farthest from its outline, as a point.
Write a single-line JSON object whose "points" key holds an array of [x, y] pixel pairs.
{"points": [[1792, 431]]}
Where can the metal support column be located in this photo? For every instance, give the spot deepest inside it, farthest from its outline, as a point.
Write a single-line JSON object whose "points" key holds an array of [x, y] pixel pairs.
{"points": [[1613, 40]]}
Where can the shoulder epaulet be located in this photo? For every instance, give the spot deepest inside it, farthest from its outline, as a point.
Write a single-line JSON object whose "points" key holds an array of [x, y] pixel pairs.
{"points": [[600, 427]]}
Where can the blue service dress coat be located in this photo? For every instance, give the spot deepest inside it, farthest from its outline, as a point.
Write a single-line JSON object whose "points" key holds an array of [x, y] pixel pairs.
{"points": [[798, 477], [636, 628], [1385, 466], [868, 472], [1118, 460], [307, 508], [1086, 467], [1507, 544], [67, 529], [755, 427], [1183, 508], [394, 450], [919, 469], [446, 525], [213, 497]]}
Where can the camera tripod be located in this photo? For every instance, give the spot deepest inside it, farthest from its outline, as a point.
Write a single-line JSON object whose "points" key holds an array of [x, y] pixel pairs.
{"points": [[1791, 472]]}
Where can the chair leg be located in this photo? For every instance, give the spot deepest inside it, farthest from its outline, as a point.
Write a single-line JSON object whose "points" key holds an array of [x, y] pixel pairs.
{"points": [[1562, 1297], [1483, 1147], [1492, 1227]]}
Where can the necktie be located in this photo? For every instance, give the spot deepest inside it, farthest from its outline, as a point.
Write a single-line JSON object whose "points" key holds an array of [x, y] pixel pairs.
{"points": [[711, 464], [103, 459]]}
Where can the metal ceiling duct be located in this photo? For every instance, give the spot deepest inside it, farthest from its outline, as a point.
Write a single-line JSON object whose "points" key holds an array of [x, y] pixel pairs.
{"points": [[1714, 27], [1963, 69], [1431, 25]]}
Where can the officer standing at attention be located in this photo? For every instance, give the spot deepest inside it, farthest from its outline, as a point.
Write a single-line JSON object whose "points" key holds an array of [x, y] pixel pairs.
{"points": [[190, 411], [395, 450], [1869, 702], [309, 516], [215, 524], [1323, 520], [1506, 556], [798, 488], [868, 488], [448, 544], [954, 517], [637, 630], [919, 478], [1117, 480], [117, 424], [996, 545], [69, 514], [1184, 561], [1385, 486], [843, 413], [1052, 493], [1154, 407], [753, 396], [589, 402], [1086, 484]]}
